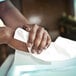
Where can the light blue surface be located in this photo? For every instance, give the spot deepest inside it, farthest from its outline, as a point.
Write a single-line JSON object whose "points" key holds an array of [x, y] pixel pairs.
{"points": [[64, 68], [6, 65], [2, 0]]}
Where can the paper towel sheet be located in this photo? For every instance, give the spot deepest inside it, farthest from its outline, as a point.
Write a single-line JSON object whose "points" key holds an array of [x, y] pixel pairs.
{"points": [[1, 23], [61, 49], [58, 59]]}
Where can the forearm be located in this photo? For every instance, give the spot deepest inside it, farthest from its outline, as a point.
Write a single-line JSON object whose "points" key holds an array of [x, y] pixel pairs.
{"points": [[11, 16]]}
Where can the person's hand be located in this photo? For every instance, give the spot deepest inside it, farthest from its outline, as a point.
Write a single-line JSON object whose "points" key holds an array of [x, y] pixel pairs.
{"points": [[39, 38], [6, 37]]}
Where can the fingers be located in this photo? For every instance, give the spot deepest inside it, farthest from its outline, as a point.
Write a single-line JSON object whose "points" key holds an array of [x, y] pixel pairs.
{"points": [[48, 41], [16, 44], [39, 39], [43, 43], [32, 35]]}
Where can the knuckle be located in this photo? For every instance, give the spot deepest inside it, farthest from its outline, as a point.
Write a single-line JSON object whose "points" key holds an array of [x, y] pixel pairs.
{"points": [[41, 28], [35, 26], [40, 31]]}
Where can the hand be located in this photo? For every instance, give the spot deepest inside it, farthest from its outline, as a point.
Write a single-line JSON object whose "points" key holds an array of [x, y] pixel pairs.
{"points": [[39, 38], [6, 37]]}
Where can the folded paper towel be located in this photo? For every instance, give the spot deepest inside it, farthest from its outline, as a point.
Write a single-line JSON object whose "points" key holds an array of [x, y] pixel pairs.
{"points": [[52, 61], [61, 49]]}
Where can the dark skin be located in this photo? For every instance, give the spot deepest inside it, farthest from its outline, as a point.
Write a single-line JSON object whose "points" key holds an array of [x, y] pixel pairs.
{"points": [[39, 38]]}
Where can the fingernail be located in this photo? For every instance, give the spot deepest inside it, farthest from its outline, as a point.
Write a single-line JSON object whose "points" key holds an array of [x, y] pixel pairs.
{"points": [[29, 44], [39, 51], [45, 47], [33, 50]]}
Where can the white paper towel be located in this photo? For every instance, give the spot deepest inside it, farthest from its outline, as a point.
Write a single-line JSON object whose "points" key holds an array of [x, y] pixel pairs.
{"points": [[61, 49], [52, 61], [1, 23]]}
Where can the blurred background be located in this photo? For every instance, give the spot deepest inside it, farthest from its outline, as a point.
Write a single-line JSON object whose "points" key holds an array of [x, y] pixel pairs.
{"points": [[58, 17]]}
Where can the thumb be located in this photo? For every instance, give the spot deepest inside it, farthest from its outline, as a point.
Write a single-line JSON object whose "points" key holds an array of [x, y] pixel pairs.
{"points": [[16, 44]]}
